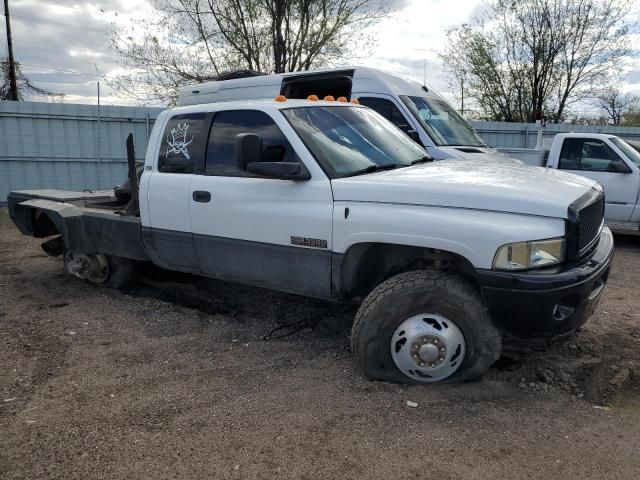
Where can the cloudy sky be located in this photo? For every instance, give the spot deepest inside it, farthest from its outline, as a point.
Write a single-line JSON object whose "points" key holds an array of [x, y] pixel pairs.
{"points": [[63, 45]]}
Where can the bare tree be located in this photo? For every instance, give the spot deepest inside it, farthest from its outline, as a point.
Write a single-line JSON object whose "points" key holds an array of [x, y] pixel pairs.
{"points": [[631, 118], [26, 89], [616, 104], [195, 40], [534, 58]]}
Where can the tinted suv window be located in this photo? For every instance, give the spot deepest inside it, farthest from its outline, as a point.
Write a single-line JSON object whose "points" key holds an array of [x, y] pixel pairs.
{"points": [[387, 109], [181, 148], [222, 140], [586, 154]]}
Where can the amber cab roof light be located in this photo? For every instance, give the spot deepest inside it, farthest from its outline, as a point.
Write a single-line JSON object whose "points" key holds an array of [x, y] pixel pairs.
{"points": [[280, 98], [329, 98], [312, 98]]}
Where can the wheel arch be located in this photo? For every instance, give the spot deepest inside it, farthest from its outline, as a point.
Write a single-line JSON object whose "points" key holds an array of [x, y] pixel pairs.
{"points": [[365, 265], [37, 222], [44, 224]]}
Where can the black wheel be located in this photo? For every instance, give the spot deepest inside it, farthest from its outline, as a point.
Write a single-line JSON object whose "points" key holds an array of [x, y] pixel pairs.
{"points": [[124, 272], [424, 327], [100, 269]]}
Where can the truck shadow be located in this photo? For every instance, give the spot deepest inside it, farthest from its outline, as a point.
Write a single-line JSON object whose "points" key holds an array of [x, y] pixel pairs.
{"points": [[272, 314], [578, 364], [631, 242]]}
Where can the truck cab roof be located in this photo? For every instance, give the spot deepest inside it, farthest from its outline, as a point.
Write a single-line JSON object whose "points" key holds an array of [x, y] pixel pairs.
{"points": [[584, 135]]}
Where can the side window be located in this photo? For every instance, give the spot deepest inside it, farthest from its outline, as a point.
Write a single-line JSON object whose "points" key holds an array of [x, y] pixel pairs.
{"points": [[221, 158], [181, 147], [587, 154], [387, 109]]}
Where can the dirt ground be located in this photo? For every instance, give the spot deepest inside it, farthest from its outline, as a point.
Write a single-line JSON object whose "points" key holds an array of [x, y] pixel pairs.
{"points": [[185, 378]]}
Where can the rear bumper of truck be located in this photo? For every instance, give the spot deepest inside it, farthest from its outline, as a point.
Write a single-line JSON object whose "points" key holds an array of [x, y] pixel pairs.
{"points": [[549, 301]]}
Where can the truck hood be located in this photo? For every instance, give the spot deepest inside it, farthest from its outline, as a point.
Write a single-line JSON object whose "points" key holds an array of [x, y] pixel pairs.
{"points": [[469, 184], [471, 153]]}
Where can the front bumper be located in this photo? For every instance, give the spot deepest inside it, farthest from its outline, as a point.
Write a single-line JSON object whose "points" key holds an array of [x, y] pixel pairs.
{"points": [[549, 301]]}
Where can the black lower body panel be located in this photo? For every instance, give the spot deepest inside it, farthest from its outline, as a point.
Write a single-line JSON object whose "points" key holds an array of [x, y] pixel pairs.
{"points": [[549, 301], [293, 269]]}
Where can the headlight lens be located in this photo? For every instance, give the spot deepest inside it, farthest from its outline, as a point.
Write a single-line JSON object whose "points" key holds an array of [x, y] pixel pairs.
{"points": [[523, 255]]}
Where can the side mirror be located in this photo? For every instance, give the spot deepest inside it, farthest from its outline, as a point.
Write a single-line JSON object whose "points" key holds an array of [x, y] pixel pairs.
{"points": [[618, 166], [248, 149], [281, 170]]}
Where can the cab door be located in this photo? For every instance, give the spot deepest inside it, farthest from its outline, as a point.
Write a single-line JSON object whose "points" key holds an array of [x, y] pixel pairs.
{"points": [[269, 232], [167, 233], [594, 158]]}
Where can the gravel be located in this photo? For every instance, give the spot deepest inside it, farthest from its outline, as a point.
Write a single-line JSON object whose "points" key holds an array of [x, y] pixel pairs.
{"points": [[182, 377]]}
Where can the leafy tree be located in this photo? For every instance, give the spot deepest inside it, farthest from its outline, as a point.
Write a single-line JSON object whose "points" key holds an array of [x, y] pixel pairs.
{"points": [[202, 38], [524, 60]]}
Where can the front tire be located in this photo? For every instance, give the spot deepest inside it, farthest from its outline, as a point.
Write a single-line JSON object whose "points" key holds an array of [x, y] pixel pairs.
{"points": [[424, 327]]}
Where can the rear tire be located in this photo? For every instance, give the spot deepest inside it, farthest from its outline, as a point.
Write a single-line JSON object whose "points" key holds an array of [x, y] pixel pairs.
{"points": [[439, 312], [105, 270], [124, 272]]}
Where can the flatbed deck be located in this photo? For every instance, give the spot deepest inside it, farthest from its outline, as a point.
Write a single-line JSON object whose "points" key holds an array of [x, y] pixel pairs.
{"points": [[88, 221]]}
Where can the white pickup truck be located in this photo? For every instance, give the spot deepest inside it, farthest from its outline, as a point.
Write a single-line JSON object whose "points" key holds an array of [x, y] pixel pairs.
{"points": [[330, 200], [612, 162]]}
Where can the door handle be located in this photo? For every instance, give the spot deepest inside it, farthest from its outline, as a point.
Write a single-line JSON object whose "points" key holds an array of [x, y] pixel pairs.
{"points": [[201, 196]]}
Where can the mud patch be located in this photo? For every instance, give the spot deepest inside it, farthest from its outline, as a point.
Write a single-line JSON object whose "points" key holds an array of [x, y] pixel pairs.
{"points": [[577, 364]]}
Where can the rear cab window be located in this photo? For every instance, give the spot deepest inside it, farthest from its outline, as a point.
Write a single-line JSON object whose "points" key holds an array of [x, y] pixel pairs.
{"points": [[181, 146]]}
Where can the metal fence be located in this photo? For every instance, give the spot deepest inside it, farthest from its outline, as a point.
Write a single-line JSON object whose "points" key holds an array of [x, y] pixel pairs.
{"points": [[523, 135], [74, 147], [68, 147]]}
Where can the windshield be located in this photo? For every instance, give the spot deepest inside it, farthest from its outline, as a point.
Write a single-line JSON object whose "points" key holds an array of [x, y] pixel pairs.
{"points": [[352, 140], [631, 153], [444, 125]]}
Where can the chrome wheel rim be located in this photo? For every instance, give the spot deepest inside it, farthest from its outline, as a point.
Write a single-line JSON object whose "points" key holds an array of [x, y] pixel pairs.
{"points": [[94, 268], [427, 347]]}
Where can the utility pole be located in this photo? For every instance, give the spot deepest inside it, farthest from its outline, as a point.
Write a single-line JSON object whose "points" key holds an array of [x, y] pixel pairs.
{"points": [[13, 83], [99, 130]]}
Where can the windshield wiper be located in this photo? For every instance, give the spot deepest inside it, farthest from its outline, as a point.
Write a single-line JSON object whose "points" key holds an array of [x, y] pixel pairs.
{"points": [[425, 159], [373, 168]]}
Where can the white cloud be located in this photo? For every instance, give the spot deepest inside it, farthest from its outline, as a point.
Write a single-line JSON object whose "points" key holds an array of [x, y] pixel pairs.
{"points": [[73, 35], [413, 37]]}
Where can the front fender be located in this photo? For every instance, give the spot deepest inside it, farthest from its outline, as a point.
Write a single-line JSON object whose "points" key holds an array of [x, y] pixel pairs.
{"points": [[472, 234]]}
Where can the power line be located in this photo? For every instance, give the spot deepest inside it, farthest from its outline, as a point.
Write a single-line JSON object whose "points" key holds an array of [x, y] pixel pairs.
{"points": [[74, 72]]}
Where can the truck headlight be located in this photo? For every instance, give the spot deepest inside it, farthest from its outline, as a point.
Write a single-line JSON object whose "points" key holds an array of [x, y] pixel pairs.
{"points": [[523, 255]]}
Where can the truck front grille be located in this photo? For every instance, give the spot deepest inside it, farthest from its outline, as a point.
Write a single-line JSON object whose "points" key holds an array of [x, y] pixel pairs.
{"points": [[590, 220], [584, 224]]}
